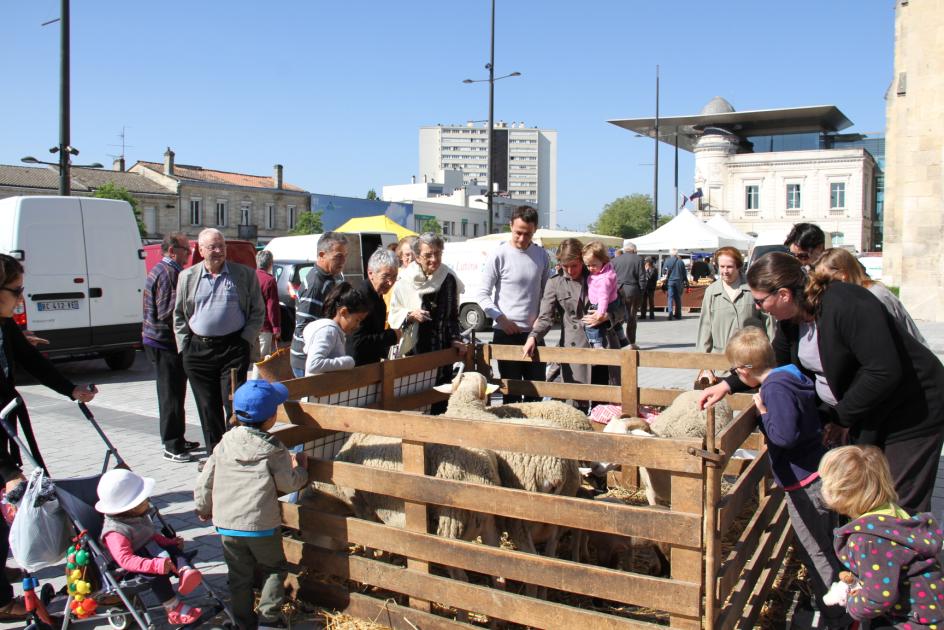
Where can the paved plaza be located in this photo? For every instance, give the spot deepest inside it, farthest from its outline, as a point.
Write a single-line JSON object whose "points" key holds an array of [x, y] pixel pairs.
{"points": [[127, 411]]}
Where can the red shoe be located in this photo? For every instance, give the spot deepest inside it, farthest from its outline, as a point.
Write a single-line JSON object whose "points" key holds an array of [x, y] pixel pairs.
{"points": [[177, 616], [189, 580]]}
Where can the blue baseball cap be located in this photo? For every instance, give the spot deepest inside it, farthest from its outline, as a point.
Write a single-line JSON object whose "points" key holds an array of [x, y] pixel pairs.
{"points": [[256, 401]]}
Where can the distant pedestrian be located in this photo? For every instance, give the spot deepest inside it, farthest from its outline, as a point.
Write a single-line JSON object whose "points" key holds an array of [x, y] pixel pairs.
{"points": [[372, 341], [649, 294], [676, 279], [510, 293], [239, 489], [631, 274], [701, 269], [217, 317], [806, 242], [160, 345], [405, 251], [728, 306], [332, 255], [326, 338], [271, 330]]}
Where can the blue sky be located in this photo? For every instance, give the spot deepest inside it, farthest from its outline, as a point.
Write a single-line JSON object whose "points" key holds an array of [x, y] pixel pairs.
{"points": [[336, 91]]}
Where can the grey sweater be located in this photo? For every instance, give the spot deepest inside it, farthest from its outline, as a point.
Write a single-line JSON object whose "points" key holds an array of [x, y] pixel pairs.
{"points": [[513, 283]]}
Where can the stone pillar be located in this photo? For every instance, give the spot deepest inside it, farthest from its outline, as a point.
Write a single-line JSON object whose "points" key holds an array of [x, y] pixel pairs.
{"points": [[169, 162]]}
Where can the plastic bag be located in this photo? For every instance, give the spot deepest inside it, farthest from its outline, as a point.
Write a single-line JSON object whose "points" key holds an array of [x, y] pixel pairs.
{"points": [[40, 535]]}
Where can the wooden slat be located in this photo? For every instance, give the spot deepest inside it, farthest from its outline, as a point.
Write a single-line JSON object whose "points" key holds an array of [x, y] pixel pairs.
{"points": [[414, 462], [687, 495], [740, 402], [480, 599], [562, 391], [657, 453], [389, 614], [554, 354], [683, 360], [742, 492], [768, 511], [620, 586], [765, 580], [748, 589], [292, 435], [416, 401], [629, 374], [333, 382], [674, 526], [424, 362], [733, 436]]}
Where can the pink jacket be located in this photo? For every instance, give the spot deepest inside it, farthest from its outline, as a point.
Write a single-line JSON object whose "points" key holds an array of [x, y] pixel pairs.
{"points": [[601, 288], [120, 549]]}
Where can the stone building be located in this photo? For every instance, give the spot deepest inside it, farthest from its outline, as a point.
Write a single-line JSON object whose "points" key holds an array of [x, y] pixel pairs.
{"points": [[152, 197], [914, 179], [253, 207]]}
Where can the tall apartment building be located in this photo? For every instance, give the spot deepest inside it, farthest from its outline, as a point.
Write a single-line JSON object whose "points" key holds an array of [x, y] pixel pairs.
{"points": [[524, 161]]}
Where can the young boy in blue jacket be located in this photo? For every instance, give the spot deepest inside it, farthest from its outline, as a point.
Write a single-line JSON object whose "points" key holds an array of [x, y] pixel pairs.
{"points": [[790, 421]]}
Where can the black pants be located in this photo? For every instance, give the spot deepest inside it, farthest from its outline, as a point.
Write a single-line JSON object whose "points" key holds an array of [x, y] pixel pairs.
{"points": [[648, 301], [631, 301], [208, 363], [171, 394], [913, 463], [518, 370]]}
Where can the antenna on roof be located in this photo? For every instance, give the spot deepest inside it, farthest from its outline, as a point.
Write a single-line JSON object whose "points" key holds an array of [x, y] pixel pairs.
{"points": [[122, 145]]}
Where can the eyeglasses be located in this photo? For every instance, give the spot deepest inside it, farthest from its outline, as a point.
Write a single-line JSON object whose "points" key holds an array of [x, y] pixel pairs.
{"points": [[759, 302], [801, 255], [746, 366], [17, 291]]}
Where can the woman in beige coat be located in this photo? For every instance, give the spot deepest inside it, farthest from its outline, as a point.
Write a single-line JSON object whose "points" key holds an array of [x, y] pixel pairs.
{"points": [[565, 299], [728, 306]]}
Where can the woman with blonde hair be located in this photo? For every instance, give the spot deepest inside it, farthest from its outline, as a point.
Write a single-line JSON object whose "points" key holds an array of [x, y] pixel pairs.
{"points": [[839, 264], [727, 306]]}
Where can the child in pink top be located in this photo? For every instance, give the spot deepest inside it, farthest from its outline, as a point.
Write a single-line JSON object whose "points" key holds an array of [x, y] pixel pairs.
{"points": [[134, 543], [601, 291]]}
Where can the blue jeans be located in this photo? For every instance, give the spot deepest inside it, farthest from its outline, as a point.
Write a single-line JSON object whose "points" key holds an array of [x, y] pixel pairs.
{"points": [[674, 304]]}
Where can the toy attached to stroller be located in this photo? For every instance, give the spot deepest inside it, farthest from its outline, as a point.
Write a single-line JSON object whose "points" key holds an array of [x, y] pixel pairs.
{"points": [[97, 588]]}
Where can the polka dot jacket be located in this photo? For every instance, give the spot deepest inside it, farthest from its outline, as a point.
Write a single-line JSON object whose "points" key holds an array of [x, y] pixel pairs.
{"points": [[894, 558]]}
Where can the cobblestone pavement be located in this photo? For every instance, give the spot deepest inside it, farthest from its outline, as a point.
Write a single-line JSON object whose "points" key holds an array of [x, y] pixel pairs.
{"points": [[126, 408]]}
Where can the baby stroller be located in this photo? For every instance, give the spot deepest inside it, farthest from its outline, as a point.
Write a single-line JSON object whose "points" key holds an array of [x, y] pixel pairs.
{"points": [[121, 598]]}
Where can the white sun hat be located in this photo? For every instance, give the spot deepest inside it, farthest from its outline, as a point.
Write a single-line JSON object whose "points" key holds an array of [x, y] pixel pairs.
{"points": [[120, 490]]}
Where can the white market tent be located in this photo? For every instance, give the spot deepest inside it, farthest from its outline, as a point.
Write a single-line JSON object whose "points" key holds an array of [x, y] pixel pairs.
{"points": [[720, 224], [685, 233], [552, 238]]}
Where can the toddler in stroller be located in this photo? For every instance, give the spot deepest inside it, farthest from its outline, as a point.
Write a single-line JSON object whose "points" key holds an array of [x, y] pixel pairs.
{"points": [[134, 543]]}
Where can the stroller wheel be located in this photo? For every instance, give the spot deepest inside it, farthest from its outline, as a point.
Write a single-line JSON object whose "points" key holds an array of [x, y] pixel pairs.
{"points": [[118, 618]]}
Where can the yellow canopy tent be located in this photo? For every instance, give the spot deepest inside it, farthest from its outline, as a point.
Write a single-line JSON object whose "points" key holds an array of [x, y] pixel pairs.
{"points": [[379, 223]]}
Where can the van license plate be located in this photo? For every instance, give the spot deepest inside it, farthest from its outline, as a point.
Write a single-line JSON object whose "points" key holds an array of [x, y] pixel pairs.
{"points": [[58, 305]]}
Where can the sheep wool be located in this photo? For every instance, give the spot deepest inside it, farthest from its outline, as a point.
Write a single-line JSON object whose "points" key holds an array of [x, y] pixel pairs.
{"points": [[683, 418]]}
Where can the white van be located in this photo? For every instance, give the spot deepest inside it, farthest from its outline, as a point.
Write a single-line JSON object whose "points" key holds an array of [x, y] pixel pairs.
{"points": [[304, 248], [84, 274]]}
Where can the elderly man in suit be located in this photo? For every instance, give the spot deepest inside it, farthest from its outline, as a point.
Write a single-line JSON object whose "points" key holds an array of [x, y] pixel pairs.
{"points": [[217, 316], [631, 275]]}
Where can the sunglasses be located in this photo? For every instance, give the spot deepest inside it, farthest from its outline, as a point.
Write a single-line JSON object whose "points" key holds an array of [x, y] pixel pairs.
{"points": [[17, 291], [759, 302]]}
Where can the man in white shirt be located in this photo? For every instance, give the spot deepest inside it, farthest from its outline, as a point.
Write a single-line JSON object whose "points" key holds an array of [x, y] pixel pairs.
{"points": [[511, 290]]}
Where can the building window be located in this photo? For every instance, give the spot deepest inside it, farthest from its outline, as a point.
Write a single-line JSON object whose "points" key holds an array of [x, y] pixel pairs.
{"points": [[445, 228], [195, 218], [475, 229], [292, 217], [837, 196], [837, 238], [793, 197], [465, 229], [752, 197], [245, 217], [150, 219], [221, 213], [270, 216]]}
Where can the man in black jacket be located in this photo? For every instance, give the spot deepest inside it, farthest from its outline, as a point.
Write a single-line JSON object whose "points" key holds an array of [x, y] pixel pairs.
{"points": [[631, 275], [332, 254], [373, 339]]}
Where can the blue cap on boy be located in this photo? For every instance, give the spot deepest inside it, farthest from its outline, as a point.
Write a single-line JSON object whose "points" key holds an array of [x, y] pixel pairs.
{"points": [[256, 401]]}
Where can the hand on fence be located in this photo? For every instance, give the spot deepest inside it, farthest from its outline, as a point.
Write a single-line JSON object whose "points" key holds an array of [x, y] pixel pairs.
{"points": [[527, 351], [709, 396], [300, 461]]}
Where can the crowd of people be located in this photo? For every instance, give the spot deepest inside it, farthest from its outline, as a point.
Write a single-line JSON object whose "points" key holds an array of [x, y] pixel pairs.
{"points": [[842, 378]]}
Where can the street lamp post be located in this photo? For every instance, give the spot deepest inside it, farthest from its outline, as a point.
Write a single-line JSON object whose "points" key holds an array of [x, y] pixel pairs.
{"points": [[64, 158], [490, 66]]}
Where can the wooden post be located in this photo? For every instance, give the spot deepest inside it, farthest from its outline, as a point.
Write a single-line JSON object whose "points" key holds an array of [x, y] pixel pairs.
{"points": [[386, 384], [629, 401], [687, 566], [712, 535], [414, 461]]}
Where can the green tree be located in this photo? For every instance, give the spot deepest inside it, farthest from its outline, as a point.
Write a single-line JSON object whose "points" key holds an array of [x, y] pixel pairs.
{"points": [[308, 223], [431, 225], [111, 191], [372, 194], [626, 217]]}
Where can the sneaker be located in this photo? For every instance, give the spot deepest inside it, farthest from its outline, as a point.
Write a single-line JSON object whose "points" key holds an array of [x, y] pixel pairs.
{"points": [[190, 446], [183, 615], [189, 580], [180, 458]]}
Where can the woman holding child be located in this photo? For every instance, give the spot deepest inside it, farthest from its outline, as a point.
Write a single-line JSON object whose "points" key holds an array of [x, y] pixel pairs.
{"points": [[871, 378]]}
